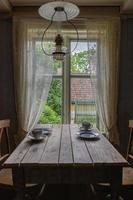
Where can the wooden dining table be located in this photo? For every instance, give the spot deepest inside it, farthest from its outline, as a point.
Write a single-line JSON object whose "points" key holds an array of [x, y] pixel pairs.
{"points": [[63, 157]]}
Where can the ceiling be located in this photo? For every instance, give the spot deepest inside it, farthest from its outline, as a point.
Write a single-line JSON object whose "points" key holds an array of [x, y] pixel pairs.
{"points": [[126, 5]]}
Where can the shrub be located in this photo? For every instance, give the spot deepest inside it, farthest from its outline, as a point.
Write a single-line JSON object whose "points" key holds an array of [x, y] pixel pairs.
{"points": [[49, 116]]}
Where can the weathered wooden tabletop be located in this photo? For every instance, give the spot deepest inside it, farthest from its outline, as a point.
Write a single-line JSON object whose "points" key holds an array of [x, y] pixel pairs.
{"points": [[62, 157], [64, 148]]}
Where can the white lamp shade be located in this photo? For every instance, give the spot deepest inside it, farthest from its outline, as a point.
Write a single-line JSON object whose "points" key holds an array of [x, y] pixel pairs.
{"points": [[47, 11]]}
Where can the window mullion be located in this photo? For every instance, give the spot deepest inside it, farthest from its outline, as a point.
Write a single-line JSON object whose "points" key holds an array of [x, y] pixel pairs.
{"points": [[66, 91]]}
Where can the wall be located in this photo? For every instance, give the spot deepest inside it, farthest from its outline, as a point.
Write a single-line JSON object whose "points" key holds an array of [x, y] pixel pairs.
{"points": [[125, 105], [7, 103]]}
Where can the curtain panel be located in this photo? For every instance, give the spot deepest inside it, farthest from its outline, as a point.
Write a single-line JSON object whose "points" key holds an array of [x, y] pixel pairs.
{"points": [[33, 73], [106, 32]]}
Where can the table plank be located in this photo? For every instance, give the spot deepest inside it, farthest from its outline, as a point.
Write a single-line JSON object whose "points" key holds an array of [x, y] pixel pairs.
{"points": [[66, 155], [18, 154], [80, 152], [33, 156], [51, 152], [103, 152]]}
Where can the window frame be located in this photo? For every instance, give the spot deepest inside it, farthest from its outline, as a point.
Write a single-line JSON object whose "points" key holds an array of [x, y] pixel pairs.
{"points": [[67, 76]]}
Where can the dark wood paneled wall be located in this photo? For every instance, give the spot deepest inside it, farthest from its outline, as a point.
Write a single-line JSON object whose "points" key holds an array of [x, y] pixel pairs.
{"points": [[125, 104], [7, 102]]}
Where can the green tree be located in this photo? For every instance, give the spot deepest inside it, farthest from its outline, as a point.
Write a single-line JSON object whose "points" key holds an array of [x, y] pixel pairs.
{"points": [[54, 98], [81, 61], [49, 116]]}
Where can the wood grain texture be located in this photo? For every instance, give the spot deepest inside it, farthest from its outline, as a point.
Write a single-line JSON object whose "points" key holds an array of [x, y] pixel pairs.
{"points": [[130, 123], [5, 5], [18, 154], [33, 156], [129, 153], [103, 153], [80, 152], [5, 142], [64, 148], [65, 158], [51, 153], [4, 123], [66, 155]]}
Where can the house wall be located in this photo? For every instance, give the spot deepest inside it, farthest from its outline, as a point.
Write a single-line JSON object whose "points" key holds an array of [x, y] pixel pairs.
{"points": [[7, 103], [83, 111], [125, 103]]}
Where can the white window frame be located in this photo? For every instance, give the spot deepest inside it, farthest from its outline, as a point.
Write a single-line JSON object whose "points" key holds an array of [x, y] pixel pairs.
{"points": [[66, 99]]}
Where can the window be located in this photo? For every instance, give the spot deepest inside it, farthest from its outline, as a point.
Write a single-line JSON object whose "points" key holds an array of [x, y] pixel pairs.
{"points": [[83, 69], [71, 97]]}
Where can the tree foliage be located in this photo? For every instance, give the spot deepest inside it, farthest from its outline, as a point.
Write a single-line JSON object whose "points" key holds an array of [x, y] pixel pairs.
{"points": [[81, 61], [54, 98], [49, 116]]}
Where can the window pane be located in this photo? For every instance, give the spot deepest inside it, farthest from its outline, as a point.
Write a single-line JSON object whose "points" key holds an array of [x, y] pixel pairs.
{"points": [[83, 105], [58, 66], [53, 108], [84, 57]]}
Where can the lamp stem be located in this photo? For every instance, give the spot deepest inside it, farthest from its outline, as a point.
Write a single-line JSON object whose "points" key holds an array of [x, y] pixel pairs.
{"points": [[59, 27]]}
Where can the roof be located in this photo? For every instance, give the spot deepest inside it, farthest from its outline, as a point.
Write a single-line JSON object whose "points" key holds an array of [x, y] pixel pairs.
{"points": [[82, 89]]}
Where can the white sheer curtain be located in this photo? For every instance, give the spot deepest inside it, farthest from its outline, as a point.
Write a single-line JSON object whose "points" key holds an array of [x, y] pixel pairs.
{"points": [[33, 73], [106, 32]]}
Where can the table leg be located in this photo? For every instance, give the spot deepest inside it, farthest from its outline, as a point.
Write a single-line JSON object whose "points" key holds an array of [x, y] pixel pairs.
{"points": [[18, 183], [116, 182]]}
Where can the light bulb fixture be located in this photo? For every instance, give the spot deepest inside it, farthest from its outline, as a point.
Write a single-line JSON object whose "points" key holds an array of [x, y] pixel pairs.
{"points": [[58, 11]]}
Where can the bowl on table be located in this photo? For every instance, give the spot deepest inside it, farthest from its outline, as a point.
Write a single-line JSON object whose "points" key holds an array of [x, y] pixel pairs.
{"points": [[86, 126], [36, 134]]}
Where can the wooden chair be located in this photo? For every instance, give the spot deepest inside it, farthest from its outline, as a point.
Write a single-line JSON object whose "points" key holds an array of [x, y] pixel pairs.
{"points": [[6, 183], [6, 186], [5, 150], [127, 178], [129, 155]]}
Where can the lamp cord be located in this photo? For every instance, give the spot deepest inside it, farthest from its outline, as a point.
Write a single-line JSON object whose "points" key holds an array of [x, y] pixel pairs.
{"points": [[45, 33], [76, 33]]}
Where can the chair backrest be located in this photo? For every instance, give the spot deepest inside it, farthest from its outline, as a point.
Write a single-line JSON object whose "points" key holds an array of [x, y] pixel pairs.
{"points": [[129, 155], [5, 147]]}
